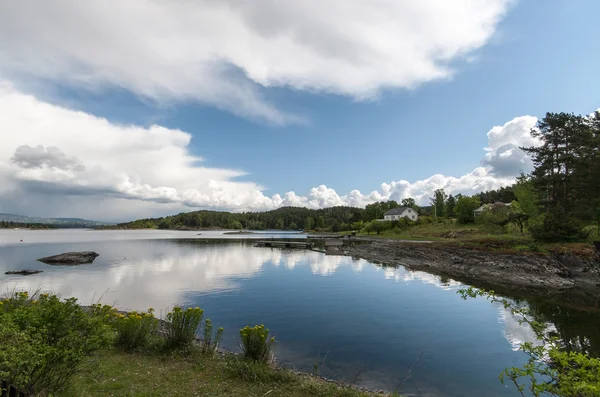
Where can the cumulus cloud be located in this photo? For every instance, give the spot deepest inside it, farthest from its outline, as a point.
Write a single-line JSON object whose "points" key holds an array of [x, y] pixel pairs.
{"points": [[224, 52], [115, 171], [504, 156]]}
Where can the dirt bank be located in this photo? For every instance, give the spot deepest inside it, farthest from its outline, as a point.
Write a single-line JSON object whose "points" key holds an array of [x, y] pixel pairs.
{"points": [[556, 276]]}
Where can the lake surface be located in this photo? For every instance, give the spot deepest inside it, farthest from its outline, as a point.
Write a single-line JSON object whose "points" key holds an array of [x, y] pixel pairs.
{"points": [[356, 321]]}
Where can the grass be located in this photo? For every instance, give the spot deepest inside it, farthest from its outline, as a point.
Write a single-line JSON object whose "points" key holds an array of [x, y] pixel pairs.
{"points": [[475, 236], [114, 373]]}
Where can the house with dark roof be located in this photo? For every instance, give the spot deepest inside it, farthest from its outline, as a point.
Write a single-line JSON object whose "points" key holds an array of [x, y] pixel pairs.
{"points": [[401, 212]]}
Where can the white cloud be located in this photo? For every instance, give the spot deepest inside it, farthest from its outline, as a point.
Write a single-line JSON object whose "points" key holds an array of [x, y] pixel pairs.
{"points": [[61, 162], [504, 156], [223, 52]]}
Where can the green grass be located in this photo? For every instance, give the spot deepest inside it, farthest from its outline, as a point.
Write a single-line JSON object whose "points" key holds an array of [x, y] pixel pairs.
{"points": [[475, 236], [114, 373]]}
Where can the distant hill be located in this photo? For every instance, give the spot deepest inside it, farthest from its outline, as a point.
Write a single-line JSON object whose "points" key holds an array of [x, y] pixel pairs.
{"points": [[54, 222]]}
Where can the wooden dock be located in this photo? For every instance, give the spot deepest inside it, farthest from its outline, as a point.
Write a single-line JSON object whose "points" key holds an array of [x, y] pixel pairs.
{"points": [[284, 244]]}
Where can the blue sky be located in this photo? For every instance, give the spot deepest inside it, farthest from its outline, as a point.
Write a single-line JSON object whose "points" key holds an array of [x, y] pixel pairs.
{"points": [[532, 57]]}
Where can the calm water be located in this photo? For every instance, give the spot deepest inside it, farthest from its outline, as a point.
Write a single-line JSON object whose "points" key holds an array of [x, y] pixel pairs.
{"points": [[359, 322]]}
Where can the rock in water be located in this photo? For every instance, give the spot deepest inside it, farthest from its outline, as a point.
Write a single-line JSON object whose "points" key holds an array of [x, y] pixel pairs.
{"points": [[25, 272], [70, 258]]}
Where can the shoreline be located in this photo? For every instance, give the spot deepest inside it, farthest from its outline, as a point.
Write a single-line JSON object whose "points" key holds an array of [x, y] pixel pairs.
{"points": [[558, 276]]}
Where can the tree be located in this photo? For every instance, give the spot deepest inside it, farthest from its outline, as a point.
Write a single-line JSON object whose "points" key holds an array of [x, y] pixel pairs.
{"points": [[438, 202], [293, 226], [450, 205], [526, 196], [321, 222], [357, 225], [376, 210], [409, 202], [494, 217], [381, 226], [309, 223], [465, 207], [563, 171], [279, 225]]}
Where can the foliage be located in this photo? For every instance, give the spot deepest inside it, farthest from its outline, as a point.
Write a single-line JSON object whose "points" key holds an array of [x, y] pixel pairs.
{"points": [[465, 207], [376, 210], [210, 345], [438, 201], [13, 225], [557, 225], [503, 194], [134, 329], [182, 326], [357, 225], [494, 217], [410, 202], [526, 197], [283, 218], [45, 339], [309, 223], [551, 368], [321, 222], [256, 344], [566, 174], [450, 206]]}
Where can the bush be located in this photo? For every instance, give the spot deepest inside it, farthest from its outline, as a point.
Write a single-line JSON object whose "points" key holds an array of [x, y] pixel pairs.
{"points": [[45, 339], [557, 226], [256, 344], [465, 207], [134, 329], [182, 326], [208, 344]]}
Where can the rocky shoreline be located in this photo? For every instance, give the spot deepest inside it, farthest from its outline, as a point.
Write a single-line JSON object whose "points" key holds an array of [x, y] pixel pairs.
{"points": [[564, 277]]}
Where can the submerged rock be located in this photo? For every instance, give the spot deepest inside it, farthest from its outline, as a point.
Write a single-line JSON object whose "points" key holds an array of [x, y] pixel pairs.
{"points": [[70, 258], [25, 272]]}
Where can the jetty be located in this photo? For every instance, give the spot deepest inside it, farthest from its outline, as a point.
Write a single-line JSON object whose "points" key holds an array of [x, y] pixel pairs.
{"points": [[284, 244]]}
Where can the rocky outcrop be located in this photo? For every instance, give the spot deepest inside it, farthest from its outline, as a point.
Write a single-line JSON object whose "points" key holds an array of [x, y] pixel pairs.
{"points": [[70, 258], [557, 275], [25, 272]]}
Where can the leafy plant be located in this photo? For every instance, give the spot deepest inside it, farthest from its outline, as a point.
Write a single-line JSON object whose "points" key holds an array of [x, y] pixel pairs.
{"points": [[182, 326], [134, 329], [551, 369], [256, 344], [208, 344], [44, 340]]}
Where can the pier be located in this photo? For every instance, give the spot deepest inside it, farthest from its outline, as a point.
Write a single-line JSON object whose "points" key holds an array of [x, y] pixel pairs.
{"points": [[284, 244]]}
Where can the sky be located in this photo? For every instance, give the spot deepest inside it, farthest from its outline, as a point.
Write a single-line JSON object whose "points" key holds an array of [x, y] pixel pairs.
{"points": [[114, 110]]}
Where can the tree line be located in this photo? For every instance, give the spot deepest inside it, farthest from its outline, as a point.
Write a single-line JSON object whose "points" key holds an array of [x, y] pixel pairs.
{"points": [[557, 201], [21, 225]]}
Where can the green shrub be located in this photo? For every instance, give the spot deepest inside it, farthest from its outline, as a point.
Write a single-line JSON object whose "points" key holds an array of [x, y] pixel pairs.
{"points": [[208, 344], [44, 340], [256, 344], [134, 329], [558, 226], [182, 326]]}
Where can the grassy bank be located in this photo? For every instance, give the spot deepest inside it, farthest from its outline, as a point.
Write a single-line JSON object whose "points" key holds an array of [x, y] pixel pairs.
{"points": [[475, 236], [53, 346], [114, 373]]}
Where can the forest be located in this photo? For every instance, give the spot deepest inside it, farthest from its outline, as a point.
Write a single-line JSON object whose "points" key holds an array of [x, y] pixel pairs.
{"points": [[558, 201]]}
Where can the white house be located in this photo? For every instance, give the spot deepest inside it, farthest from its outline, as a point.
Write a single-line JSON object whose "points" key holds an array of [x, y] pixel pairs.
{"points": [[401, 212]]}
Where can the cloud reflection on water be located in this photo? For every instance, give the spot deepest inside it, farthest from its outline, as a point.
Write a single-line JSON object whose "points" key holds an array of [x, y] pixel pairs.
{"points": [[160, 274]]}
